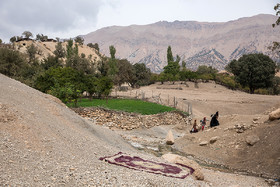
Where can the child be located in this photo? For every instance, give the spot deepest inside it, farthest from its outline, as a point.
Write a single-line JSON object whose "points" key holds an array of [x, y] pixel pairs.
{"points": [[203, 123], [194, 129]]}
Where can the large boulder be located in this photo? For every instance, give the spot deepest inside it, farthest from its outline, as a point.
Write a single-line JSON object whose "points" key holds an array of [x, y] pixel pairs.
{"points": [[274, 114], [173, 158], [169, 138]]}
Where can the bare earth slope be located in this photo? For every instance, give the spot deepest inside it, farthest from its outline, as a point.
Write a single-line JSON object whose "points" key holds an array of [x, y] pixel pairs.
{"points": [[43, 143], [242, 115]]}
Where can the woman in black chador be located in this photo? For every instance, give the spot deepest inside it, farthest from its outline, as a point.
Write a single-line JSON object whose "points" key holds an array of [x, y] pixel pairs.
{"points": [[214, 121]]}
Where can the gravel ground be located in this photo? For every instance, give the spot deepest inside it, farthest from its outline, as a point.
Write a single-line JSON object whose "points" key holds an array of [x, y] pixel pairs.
{"points": [[44, 143]]}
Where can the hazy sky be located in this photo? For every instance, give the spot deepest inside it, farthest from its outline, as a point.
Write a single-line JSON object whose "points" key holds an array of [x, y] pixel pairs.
{"points": [[69, 18]]}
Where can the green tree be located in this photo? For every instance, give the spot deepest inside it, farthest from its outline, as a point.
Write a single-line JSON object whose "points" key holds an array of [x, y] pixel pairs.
{"points": [[170, 57], [206, 70], [79, 40], [51, 62], [41, 37], [91, 85], [69, 49], [142, 74], [94, 46], [125, 72], [172, 69], [27, 34], [59, 51], [253, 70], [13, 39], [31, 51], [104, 87], [112, 51], [11, 63], [65, 83]]}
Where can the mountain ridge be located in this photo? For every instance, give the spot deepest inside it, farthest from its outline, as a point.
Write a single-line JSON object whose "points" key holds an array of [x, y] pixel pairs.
{"points": [[148, 43]]}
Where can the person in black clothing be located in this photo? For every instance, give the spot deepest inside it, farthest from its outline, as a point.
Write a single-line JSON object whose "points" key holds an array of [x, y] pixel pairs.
{"points": [[214, 121]]}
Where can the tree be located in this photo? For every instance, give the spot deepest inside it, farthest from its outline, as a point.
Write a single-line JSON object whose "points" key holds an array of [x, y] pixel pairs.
{"points": [[142, 74], [11, 62], [112, 51], [169, 55], [69, 49], [13, 39], [41, 37], [59, 50], [91, 85], [27, 34], [276, 45], [79, 40], [65, 83], [253, 70], [94, 46], [51, 62], [31, 51], [206, 70], [104, 87], [125, 72]]}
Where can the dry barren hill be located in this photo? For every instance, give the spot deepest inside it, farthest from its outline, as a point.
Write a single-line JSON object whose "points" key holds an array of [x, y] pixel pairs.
{"points": [[47, 48], [44, 143], [198, 43]]}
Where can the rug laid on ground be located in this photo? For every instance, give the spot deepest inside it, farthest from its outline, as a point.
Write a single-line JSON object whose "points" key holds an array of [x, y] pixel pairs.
{"points": [[134, 162]]}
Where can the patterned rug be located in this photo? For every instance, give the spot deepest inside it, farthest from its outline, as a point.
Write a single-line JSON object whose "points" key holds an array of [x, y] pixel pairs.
{"points": [[171, 170]]}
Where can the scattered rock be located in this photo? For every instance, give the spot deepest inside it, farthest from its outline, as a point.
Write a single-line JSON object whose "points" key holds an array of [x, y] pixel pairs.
{"points": [[169, 138], [173, 158], [256, 118], [240, 128], [214, 139], [203, 143], [129, 121], [251, 140], [274, 114]]}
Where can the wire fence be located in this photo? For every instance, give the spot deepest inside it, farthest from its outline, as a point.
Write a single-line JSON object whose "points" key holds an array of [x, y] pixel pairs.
{"points": [[159, 98]]}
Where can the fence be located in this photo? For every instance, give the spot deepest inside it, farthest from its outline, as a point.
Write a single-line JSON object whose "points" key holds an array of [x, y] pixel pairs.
{"points": [[157, 97]]}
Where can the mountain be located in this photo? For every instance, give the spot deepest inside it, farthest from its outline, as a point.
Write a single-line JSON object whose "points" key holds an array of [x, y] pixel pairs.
{"points": [[198, 43]]}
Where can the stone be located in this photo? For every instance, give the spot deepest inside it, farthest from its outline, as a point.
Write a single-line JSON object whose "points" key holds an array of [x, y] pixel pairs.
{"points": [[203, 143], [173, 158], [169, 138], [214, 139], [252, 140], [256, 118], [274, 114]]}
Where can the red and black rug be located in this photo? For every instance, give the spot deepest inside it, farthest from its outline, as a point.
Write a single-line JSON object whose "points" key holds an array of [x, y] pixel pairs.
{"points": [[134, 162]]}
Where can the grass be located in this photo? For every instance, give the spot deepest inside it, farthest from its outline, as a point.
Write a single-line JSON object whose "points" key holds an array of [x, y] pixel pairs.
{"points": [[127, 105]]}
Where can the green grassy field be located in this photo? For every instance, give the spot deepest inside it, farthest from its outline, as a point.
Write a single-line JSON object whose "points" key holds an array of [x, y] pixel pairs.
{"points": [[127, 105]]}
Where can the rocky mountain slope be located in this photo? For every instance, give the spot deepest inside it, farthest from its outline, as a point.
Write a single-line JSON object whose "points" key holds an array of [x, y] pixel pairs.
{"points": [[198, 43]]}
